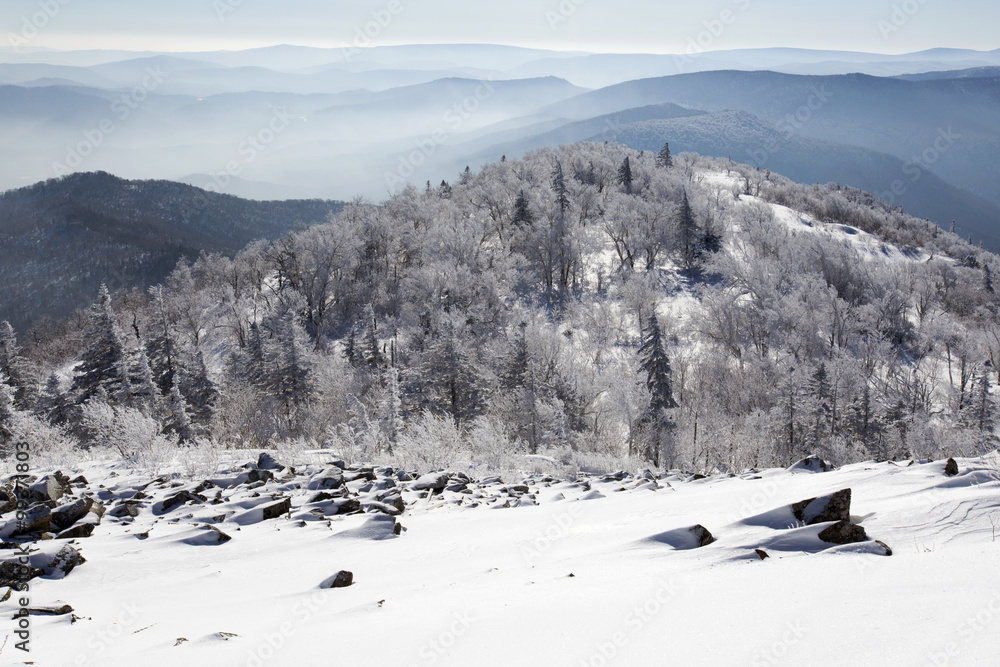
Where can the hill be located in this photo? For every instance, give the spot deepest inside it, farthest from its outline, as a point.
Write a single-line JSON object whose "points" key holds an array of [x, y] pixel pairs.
{"points": [[62, 238]]}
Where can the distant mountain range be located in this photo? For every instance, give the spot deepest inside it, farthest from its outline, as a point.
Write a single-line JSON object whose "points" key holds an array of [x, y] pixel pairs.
{"points": [[64, 237], [296, 122]]}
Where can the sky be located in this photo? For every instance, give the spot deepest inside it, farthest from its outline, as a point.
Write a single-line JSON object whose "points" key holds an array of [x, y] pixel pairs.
{"points": [[625, 26]]}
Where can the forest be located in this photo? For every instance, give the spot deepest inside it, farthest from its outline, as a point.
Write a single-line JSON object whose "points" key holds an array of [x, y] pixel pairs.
{"points": [[588, 307]]}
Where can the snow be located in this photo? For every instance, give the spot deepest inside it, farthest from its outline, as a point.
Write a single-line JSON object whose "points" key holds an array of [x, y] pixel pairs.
{"points": [[554, 580]]}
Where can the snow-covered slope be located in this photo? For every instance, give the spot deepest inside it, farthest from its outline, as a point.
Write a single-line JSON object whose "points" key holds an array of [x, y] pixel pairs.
{"points": [[599, 570]]}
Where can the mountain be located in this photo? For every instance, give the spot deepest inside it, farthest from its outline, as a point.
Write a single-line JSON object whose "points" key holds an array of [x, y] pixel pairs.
{"points": [[972, 73], [64, 237], [950, 126]]}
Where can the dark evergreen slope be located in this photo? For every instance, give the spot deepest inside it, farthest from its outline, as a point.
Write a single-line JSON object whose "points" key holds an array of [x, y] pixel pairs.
{"points": [[62, 238]]}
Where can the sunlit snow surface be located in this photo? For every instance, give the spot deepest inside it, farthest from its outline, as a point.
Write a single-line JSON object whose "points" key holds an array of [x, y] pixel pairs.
{"points": [[572, 576]]}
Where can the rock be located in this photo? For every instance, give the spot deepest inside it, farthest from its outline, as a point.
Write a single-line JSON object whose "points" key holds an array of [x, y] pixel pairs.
{"points": [[278, 509], [79, 531], [834, 507], [128, 508], [349, 506], [888, 551], [79, 480], [951, 468], [326, 495], [811, 464], [331, 478], [50, 487], [14, 574], [8, 500], [432, 481], [37, 519], [396, 501], [50, 610], [66, 515], [702, 535], [181, 498], [266, 462], [381, 507], [520, 488], [342, 579], [206, 536], [64, 561], [761, 554], [843, 532]]}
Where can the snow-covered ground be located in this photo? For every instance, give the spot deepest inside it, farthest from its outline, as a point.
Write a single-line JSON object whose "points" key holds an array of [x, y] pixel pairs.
{"points": [[587, 572]]}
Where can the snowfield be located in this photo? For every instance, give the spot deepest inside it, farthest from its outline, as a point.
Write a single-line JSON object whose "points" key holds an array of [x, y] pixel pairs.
{"points": [[598, 570]]}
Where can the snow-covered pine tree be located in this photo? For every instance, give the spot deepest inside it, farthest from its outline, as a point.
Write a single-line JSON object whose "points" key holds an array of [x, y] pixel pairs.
{"points": [[54, 405], [625, 175], [101, 363], [664, 159], [16, 369], [657, 420], [160, 346], [559, 188], [522, 212]]}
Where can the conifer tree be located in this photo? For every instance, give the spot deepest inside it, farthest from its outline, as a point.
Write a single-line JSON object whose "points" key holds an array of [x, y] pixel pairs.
{"points": [[102, 360], [625, 175], [656, 420], [559, 187], [54, 405], [663, 158], [16, 369], [522, 212]]}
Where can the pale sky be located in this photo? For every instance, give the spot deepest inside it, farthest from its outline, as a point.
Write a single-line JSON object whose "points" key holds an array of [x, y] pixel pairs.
{"points": [[647, 26]]}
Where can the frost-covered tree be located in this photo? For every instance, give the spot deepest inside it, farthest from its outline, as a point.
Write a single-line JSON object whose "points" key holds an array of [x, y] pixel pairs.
{"points": [[657, 419], [16, 369], [625, 175], [102, 361], [663, 158]]}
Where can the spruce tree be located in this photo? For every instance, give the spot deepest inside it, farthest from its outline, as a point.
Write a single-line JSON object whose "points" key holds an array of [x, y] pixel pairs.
{"points": [[522, 212], [559, 187], [687, 234], [663, 158], [199, 392], [102, 360], [625, 175], [656, 420], [16, 369], [53, 405], [161, 349]]}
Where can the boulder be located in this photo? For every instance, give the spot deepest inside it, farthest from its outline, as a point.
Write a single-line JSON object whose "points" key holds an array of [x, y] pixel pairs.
{"points": [[64, 561], [180, 498], [811, 464], [206, 536], [66, 515], [50, 487], [834, 507], [888, 550], [432, 481], [331, 478], [376, 506], [266, 462], [396, 501], [8, 500], [14, 574], [951, 468], [342, 579], [843, 532], [76, 532], [702, 535], [277, 510], [37, 519], [761, 554]]}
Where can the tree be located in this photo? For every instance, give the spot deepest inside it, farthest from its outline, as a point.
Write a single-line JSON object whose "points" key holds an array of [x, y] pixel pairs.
{"points": [[687, 234], [559, 187], [102, 360], [522, 212], [54, 405], [657, 420], [161, 349], [178, 420], [625, 176], [663, 158], [15, 368]]}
